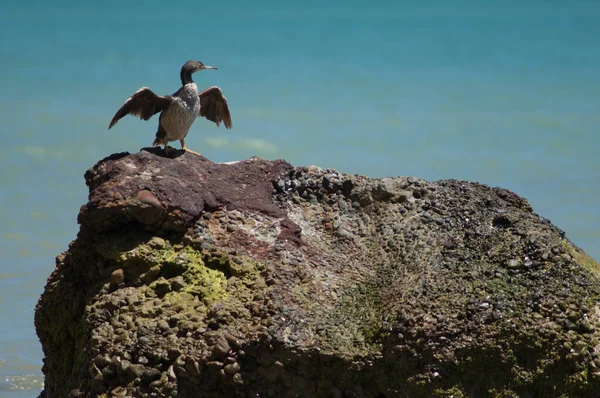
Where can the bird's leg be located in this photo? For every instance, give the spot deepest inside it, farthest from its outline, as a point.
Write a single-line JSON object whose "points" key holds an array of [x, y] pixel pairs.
{"points": [[187, 150]]}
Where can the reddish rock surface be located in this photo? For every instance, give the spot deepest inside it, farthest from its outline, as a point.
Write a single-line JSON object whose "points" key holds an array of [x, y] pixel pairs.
{"points": [[169, 193]]}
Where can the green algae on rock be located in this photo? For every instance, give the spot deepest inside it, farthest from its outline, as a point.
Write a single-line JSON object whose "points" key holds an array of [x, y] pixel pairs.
{"points": [[257, 278]]}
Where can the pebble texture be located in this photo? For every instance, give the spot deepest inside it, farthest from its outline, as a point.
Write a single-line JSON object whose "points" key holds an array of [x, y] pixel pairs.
{"points": [[260, 279]]}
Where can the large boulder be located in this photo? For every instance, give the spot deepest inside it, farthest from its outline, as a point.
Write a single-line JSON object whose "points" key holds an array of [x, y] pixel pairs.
{"points": [[190, 278]]}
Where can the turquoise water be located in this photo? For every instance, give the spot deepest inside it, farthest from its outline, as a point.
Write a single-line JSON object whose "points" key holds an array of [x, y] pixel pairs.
{"points": [[505, 95]]}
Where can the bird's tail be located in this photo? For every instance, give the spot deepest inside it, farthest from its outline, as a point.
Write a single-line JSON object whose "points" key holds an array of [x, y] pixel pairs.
{"points": [[161, 137]]}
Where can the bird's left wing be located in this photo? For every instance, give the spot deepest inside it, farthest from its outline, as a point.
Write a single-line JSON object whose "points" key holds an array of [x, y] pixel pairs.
{"points": [[143, 103], [213, 106]]}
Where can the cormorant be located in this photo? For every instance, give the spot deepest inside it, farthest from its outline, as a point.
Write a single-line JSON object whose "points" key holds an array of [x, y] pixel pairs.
{"points": [[178, 111]]}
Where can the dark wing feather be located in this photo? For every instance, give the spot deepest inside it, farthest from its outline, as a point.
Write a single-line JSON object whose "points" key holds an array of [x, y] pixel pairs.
{"points": [[143, 103], [213, 106]]}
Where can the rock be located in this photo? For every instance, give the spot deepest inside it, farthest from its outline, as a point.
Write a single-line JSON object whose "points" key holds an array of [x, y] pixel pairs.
{"points": [[178, 283], [150, 375], [117, 277], [238, 379], [192, 367], [173, 353], [260, 278], [135, 370], [161, 286], [232, 368], [163, 325], [220, 349], [97, 384], [157, 242]]}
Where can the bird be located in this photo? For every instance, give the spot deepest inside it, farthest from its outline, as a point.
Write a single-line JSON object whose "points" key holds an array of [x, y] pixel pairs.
{"points": [[179, 110]]}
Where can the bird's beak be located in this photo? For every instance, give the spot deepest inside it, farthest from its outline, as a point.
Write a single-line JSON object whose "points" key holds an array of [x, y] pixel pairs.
{"points": [[210, 67]]}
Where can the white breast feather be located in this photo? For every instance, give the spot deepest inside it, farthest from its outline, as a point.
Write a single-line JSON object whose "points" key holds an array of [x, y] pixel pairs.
{"points": [[180, 115]]}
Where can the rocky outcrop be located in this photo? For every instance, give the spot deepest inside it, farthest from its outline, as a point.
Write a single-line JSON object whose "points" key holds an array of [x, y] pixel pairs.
{"points": [[259, 279]]}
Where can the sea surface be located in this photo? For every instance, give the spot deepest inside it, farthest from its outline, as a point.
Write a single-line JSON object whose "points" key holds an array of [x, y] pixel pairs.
{"points": [[506, 93]]}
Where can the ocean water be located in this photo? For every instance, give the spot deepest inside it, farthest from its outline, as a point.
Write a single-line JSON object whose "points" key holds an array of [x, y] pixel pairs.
{"points": [[503, 94]]}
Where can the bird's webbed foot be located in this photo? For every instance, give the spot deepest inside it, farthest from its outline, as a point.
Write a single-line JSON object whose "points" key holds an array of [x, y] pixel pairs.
{"points": [[186, 149]]}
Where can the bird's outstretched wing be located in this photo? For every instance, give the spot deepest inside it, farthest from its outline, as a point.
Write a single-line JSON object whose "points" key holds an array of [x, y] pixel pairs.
{"points": [[213, 106], [143, 103]]}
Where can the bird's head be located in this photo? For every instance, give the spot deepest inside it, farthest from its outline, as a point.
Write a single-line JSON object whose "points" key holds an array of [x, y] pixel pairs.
{"points": [[190, 67], [195, 66]]}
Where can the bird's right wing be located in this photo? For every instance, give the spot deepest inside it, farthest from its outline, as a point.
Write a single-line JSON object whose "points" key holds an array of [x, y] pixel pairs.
{"points": [[143, 103]]}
